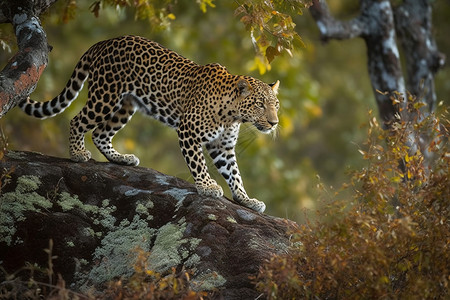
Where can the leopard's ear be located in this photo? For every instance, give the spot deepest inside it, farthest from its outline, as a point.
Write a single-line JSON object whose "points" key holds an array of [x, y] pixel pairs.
{"points": [[244, 88], [275, 86]]}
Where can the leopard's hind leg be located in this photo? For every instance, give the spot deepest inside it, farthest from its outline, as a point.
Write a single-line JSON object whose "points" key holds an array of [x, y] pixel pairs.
{"points": [[104, 133], [79, 125]]}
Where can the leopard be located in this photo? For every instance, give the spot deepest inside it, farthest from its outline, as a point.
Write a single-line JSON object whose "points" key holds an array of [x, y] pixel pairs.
{"points": [[205, 104]]}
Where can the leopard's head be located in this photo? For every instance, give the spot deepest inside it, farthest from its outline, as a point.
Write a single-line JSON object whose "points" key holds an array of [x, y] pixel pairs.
{"points": [[258, 103]]}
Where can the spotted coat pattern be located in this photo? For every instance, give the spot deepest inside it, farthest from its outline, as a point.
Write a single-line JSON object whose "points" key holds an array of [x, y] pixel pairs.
{"points": [[205, 104]]}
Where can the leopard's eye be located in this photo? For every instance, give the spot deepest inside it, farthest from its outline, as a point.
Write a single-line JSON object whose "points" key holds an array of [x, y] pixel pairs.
{"points": [[260, 104]]}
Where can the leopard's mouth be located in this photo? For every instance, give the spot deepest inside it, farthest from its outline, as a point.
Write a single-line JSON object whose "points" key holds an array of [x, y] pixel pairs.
{"points": [[265, 128]]}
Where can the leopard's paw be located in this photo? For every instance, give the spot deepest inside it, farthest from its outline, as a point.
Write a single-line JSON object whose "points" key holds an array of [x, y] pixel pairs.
{"points": [[253, 204], [81, 156], [213, 190], [129, 160]]}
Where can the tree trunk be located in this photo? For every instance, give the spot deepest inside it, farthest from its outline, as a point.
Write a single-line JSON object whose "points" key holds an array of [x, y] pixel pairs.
{"points": [[414, 30], [379, 24], [20, 76]]}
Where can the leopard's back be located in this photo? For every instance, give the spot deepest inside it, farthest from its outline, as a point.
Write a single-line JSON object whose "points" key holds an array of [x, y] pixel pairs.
{"points": [[157, 78], [130, 65]]}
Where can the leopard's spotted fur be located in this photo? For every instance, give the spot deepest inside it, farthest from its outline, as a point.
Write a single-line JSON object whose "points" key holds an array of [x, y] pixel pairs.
{"points": [[205, 104]]}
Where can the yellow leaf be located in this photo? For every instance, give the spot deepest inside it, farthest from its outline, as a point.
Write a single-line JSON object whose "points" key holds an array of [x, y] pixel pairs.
{"points": [[205, 3], [418, 105], [407, 158], [175, 286], [162, 285], [396, 179], [260, 65], [171, 16]]}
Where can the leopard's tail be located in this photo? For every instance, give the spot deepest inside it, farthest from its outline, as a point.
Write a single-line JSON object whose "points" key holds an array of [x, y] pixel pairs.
{"points": [[43, 110]]}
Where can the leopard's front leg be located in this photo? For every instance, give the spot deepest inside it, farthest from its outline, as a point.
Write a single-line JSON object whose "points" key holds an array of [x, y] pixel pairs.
{"points": [[193, 155], [223, 154]]}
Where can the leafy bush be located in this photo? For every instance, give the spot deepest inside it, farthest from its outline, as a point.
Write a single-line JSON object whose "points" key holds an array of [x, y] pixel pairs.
{"points": [[391, 241]]}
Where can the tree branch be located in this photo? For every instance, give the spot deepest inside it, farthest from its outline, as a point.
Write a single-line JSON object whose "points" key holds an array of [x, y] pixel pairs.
{"points": [[375, 24], [20, 76], [330, 28]]}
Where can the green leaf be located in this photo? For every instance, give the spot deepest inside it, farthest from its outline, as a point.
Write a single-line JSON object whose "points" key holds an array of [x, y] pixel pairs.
{"points": [[298, 42]]}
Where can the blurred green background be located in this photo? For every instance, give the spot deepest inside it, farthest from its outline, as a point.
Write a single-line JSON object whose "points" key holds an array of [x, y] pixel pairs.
{"points": [[325, 96]]}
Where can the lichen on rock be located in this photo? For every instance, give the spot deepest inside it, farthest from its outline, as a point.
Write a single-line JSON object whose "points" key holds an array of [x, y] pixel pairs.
{"points": [[15, 204], [68, 202], [143, 208], [117, 254], [100, 214], [170, 248]]}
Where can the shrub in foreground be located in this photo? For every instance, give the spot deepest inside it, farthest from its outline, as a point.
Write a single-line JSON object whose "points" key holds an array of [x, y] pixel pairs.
{"points": [[143, 284], [391, 241]]}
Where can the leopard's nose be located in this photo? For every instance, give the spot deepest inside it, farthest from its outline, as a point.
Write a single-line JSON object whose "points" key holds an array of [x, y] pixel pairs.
{"points": [[273, 123]]}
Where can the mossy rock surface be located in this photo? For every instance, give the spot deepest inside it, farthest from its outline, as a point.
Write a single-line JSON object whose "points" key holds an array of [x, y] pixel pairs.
{"points": [[99, 214]]}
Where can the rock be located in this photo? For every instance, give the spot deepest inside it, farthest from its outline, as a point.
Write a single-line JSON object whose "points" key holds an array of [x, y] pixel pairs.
{"points": [[98, 214]]}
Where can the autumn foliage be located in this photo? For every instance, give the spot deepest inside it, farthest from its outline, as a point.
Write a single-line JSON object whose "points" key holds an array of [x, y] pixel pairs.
{"points": [[392, 240]]}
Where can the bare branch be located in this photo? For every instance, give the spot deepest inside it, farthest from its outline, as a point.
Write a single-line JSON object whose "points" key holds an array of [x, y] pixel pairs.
{"points": [[20, 76], [330, 28]]}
